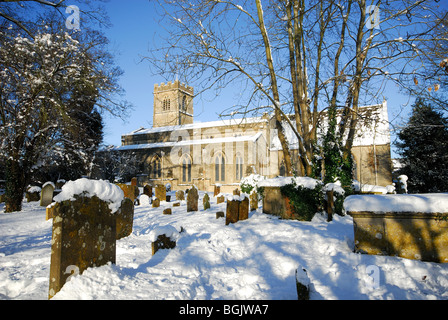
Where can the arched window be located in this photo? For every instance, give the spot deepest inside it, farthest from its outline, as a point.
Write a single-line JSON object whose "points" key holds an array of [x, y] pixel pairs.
{"points": [[220, 167], [166, 104], [282, 169], [186, 169], [156, 168], [238, 167]]}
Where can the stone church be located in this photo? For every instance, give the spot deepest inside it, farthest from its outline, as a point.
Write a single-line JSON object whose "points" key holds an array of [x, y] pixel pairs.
{"points": [[180, 152]]}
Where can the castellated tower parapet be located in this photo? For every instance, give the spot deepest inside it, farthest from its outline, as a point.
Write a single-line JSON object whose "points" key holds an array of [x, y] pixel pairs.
{"points": [[173, 104]]}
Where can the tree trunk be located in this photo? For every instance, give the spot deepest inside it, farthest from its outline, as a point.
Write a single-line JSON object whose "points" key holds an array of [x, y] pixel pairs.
{"points": [[15, 186], [276, 95]]}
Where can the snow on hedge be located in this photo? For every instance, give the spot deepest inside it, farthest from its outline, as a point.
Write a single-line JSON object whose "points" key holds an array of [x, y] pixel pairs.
{"points": [[104, 190], [424, 203]]}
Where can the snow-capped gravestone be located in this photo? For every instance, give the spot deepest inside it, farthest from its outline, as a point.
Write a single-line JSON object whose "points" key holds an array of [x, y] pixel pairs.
{"points": [[33, 193], [237, 208], [46, 195], [412, 226], [164, 237], [84, 229], [192, 199]]}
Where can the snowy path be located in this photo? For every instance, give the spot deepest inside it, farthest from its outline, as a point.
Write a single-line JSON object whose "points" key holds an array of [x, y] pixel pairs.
{"points": [[253, 259]]}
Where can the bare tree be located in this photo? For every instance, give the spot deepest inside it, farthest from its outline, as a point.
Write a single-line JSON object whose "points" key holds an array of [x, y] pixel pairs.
{"points": [[298, 57], [22, 13]]}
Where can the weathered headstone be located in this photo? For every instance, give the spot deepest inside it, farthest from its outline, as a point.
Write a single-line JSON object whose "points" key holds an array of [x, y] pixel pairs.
{"points": [[236, 192], [33, 193], [192, 199], [163, 238], [167, 211], [49, 211], [176, 204], [253, 200], [217, 190], [125, 219], [147, 189], [130, 191], [243, 211], [134, 182], [232, 211], [220, 199], [220, 214], [46, 195], [84, 229], [302, 284], [206, 201], [155, 203], [180, 195], [237, 209], [160, 192]]}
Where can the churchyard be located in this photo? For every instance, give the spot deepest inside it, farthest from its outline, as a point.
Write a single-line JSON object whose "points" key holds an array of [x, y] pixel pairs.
{"points": [[94, 243]]}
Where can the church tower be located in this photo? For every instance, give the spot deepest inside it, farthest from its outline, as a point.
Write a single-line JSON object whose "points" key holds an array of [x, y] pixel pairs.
{"points": [[173, 104]]}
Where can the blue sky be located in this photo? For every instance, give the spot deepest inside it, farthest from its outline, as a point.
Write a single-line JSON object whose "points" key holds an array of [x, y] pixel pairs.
{"points": [[134, 32]]}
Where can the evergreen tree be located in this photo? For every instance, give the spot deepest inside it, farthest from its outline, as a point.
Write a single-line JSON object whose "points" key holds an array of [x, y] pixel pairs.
{"points": [[424, 148]]}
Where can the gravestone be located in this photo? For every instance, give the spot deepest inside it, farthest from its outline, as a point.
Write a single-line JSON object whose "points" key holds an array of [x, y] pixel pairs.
{"points": [[134, 182], [253, 200], [163, 237], [220, 199], [46, 195], [145, 200], [33, 193], [176, 204], [232, 211], [83, 236], [129, 191], [167, 211], [237, 209], [147, 189], [243, 210], [162, 242], [206, 201], [160, 192], [192, 199], [220, 214], [217, 190], [125, 219], [155, 203], [180, 195], [236, 192]]}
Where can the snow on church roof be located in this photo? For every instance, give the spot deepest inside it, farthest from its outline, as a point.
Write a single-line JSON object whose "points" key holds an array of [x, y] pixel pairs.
{"points": [[252, 138], [373, 128], [199, 125]]}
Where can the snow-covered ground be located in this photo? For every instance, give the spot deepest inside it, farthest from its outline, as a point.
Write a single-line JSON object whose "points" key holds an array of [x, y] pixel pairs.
{"points": [[252, 259]]}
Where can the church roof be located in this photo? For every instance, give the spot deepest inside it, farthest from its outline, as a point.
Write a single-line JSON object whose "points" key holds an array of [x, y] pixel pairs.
{"points": [[199, 125], [170, 144]]}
